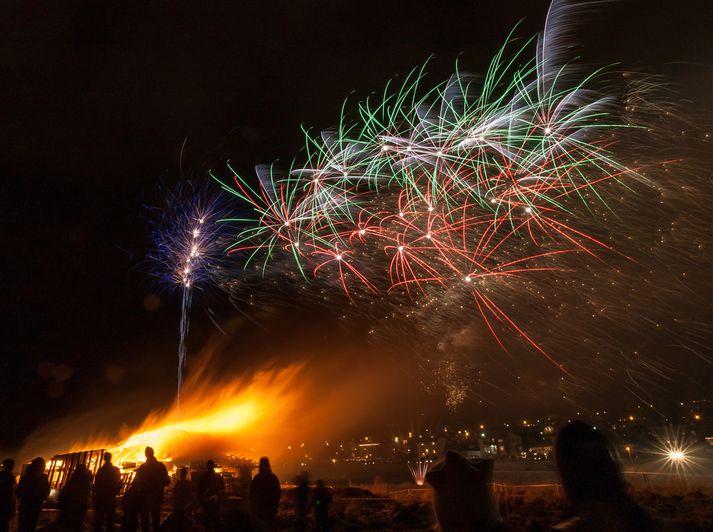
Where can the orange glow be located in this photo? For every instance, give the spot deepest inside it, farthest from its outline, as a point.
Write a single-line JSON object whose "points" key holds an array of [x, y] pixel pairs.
{"points": [[276, 411], [233, 419]]}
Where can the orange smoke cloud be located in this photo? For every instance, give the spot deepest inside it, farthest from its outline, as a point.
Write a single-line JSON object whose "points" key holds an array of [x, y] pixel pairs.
{"points": [[264, 412]]}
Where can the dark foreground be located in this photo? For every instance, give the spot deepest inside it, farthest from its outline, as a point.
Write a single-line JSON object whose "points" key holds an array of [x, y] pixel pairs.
{"points": [[379, 508]]}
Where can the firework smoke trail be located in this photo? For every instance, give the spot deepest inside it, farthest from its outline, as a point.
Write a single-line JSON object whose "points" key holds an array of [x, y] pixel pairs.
{"points": [[188, 250], [186, 298]]}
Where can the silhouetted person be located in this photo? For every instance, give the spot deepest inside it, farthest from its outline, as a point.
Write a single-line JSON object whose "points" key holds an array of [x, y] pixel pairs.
{"points": [[32, 490], [463, 494], [184, 493], [210, 495], [597, 496], [321, 499], [7, 493], [73, 499], [302, 500], [107, 486], [131, 505], [183, 496], [151, 479], [265, 494]]}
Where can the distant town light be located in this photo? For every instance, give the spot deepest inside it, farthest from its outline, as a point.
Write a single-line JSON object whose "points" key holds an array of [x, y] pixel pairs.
{"points": [[677, 456]]}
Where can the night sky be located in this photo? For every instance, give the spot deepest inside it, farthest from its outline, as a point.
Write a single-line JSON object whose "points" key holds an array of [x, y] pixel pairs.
{"points": [[97, 102]]}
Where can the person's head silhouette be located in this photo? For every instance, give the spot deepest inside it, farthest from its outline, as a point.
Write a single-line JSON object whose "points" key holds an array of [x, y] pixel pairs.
{"points": [[592, 483], [587, 469], [264, 464], [149, 453], [210, 465], [183, 473], [107, 458], [38, 465]]}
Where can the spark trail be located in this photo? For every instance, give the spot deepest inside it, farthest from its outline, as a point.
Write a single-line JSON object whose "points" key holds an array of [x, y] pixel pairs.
{"points": [[188, 247]]}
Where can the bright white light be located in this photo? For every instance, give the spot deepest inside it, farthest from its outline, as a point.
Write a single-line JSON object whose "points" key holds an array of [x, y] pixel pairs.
{"points": [[362, 231], [677, 452], [439, 153], [201, 220], [430, 208], [409, 148], [401, 214], [196, 232], [528, 210], [493, 200], [677, 456], [384, 148], [338, 257], [428, 236], [401, 248], [287, 224], [468, 279], [296, 244], [548, 130]]}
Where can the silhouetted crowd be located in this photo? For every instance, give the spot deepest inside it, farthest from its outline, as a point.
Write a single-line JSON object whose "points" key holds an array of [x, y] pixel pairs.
{"points": [[194, 505], [463, 500]]}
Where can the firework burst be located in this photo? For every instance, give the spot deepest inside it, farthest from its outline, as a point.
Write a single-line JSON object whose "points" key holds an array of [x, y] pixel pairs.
{"points": [[188, 250], [466, 187], [544, 205]]}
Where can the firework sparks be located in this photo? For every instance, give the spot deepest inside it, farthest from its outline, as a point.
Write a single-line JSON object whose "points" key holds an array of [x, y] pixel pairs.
{"points": [[538, 198], [188, 250], [418, 470], [464, 187]]}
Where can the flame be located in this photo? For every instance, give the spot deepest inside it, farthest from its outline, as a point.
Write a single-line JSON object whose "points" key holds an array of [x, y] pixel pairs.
{"points": [[225, 415], [238, 418]]}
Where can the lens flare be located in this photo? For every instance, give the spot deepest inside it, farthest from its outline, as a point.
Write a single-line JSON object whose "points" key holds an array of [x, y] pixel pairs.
{"points": [[677, 453]]}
